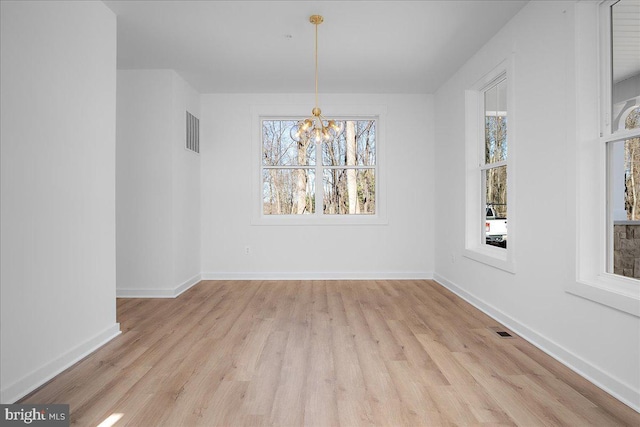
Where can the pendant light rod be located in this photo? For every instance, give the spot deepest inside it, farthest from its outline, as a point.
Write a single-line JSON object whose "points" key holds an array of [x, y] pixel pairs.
{"points": [[316, 20], [314, 127]]}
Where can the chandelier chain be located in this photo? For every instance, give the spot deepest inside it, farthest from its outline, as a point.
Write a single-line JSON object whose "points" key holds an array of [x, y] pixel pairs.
{"points": [[316, 58]]}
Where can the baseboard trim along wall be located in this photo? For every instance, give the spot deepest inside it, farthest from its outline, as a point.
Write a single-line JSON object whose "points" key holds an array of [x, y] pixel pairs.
{"points": [[614, 387], [38, 377], [158, 293], [368, 275]]}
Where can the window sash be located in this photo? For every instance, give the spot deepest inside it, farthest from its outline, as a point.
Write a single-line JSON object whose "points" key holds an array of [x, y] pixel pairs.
{"points": [[608, 145], [620, 136], [487, 166], [496, 84], [484, 164]]}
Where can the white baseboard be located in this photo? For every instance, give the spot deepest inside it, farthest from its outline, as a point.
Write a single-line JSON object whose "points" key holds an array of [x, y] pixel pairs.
{"points": [[158, 293], [606, 382], [38, 377], [368, 275], [187, 284]]}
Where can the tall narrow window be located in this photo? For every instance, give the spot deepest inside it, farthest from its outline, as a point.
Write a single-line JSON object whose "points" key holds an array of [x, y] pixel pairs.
{"points": [[621, 134], [494, 165], [607, 254], [489, 154]]}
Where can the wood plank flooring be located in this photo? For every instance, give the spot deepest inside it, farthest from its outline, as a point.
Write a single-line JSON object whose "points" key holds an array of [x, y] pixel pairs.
{"points": [[322, 353]]}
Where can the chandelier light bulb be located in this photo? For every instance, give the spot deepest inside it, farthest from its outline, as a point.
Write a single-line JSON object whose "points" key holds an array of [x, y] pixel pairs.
{"points": [[317, 136]]}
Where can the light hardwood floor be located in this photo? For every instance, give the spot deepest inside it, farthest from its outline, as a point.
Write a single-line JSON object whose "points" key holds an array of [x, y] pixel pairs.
{"points": [[349, 353]]}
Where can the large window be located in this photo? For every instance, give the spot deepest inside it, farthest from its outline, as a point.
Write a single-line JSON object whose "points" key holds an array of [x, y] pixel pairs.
{"points": [[489, 230], [621, 135], [327, 179], [607, 154]]}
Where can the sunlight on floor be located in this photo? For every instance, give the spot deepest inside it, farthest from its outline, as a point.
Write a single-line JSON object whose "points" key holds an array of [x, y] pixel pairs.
{"points": [[111, 420]]}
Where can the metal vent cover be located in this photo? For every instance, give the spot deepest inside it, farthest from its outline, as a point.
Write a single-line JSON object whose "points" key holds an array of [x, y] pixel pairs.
{"points": [[192, 142], [501, 332]]}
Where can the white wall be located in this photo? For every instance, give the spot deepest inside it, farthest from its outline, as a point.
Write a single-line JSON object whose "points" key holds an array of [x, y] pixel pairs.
{"points": [[600, 342], [402, 248], [58, 79], [143, 176], [158, 185], [185, 187]]}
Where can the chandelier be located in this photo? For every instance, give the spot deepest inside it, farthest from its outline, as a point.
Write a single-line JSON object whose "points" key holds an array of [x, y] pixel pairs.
{"points": [[316, 128]]}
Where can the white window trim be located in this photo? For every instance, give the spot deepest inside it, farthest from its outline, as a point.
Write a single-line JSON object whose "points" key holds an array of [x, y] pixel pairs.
{"points": [[475, 246], [593, 134], [287, 112]]}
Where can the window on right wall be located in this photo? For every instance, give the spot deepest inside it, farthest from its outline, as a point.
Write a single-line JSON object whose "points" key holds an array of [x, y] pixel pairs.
{"points": [[489, 152], [493, 166], [607, 223], [621, 136]]}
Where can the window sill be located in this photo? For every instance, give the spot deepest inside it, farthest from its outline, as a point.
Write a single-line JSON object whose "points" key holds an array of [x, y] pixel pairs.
{"points": [[613, 291], [314, 220], [494, 257]]}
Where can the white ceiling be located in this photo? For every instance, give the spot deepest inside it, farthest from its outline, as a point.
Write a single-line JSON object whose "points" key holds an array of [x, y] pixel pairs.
{"points": [[267, 46]]}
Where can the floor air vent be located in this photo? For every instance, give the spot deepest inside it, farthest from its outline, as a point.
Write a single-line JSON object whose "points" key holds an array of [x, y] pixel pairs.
{"points": [[501, 332]]}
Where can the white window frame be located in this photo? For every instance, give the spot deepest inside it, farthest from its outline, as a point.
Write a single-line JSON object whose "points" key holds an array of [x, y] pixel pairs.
{"points": [[593, 223], [475, 245], [293, 112]]}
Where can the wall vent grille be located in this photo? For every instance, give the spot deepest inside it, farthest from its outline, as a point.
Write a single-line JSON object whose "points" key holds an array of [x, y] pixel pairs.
{"points": [[193, 133]]}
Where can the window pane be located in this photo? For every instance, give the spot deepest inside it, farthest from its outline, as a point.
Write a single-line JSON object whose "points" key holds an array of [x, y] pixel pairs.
{"points": [[356, 146], [625, 45], [495, 128], [632, 120], [496, 209], [288, 191], [624, 209], [278, 149], [349, 191]]}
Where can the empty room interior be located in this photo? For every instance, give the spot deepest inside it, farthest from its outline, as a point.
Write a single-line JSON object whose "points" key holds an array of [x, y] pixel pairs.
{"points": [[400, 213]]}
